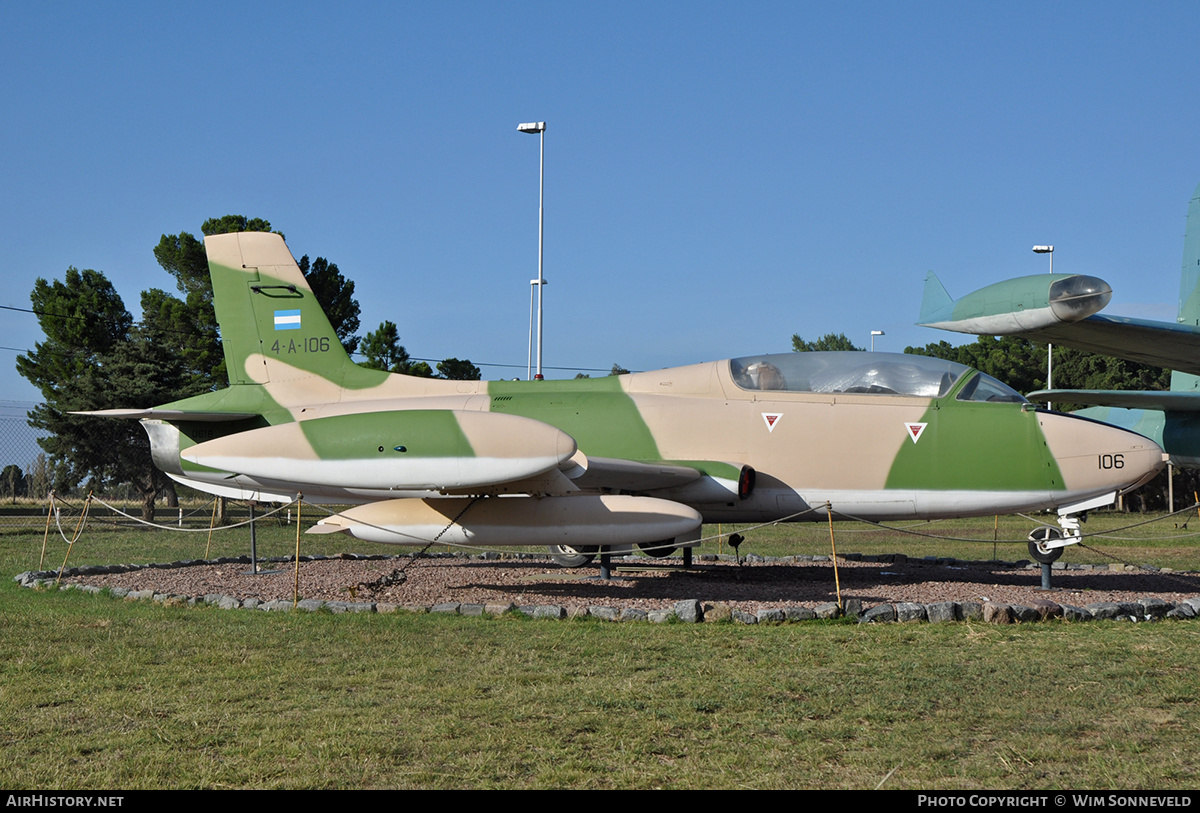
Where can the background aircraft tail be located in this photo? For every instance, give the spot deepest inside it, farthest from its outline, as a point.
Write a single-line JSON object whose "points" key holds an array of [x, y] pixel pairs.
{"points": [[1189, 287], [272, 327], [934, 300]]}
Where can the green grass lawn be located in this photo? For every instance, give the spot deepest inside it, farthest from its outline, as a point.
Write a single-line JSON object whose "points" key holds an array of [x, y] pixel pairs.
{"points": [[106, 694]]}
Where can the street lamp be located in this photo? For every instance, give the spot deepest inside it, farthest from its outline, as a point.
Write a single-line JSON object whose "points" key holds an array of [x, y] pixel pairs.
{"points": [[529, 356], [1049, 347], [875, 333], [540, 128]]}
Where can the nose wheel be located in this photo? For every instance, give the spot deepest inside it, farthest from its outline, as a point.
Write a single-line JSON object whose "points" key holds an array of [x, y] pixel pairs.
{"points": [[1042, 547]]}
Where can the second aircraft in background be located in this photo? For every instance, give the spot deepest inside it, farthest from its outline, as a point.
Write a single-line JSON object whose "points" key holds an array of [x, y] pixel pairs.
{"points": [[1063, 309]]}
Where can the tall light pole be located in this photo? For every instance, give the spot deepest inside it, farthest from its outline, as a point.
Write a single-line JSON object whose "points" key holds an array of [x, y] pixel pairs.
{"points": [[529, 356], [540, 128], [875, 333], [1049, 347]]}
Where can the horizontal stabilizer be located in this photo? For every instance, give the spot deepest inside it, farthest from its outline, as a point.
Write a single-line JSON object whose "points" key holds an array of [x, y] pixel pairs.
{"points": [[1160, 400], [327, 526], [168, 415]]}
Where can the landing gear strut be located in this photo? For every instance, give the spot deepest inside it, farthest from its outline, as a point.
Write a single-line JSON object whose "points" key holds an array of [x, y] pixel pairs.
{"points": [[1047, 542]]}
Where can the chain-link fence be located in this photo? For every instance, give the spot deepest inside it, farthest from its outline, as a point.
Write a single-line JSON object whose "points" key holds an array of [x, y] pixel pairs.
{"points": [[25, 477]]}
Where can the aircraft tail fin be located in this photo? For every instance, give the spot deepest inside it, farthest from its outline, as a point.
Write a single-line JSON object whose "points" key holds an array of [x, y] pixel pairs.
{"points": [[1189, 287], [272, 327], [935, 299]]}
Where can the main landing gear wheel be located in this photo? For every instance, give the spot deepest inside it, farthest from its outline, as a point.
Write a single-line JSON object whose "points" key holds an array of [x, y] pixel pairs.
{"points": [[1039, 551], [569, 556], [658, 550]]}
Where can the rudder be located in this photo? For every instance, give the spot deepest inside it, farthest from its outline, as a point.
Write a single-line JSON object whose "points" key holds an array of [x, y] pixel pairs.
{"points": [[1189, 287], [272, 327], [934, 299]]}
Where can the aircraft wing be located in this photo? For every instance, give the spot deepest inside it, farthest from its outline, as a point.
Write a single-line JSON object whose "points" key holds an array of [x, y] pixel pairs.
{"points": [[1124, 399], [1062, 309], [1161, 344]]}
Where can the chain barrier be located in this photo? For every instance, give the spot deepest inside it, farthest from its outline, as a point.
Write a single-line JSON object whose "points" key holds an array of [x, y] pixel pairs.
{"points": [[398, 575]]}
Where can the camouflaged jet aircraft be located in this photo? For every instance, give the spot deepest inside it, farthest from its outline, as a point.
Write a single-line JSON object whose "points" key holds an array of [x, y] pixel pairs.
{"points": [[1064, 309], [591, 464]]}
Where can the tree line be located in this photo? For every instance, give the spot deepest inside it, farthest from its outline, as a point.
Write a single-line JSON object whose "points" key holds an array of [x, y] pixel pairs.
{"points": [[97, 356], [1021, 363]]}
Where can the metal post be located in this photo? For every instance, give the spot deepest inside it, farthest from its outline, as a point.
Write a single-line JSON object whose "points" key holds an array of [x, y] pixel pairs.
{"points": [[541, 226], [539, 127], [254, 571], [253, 541], [529, 355], [1049, 347], [1050, 359]]}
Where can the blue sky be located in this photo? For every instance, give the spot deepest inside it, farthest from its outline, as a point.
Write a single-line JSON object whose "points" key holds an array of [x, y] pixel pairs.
{"points": [[719, 176]]}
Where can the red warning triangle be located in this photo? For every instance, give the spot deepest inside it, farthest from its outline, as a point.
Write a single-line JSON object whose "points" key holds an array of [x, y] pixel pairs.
{"points": [[915, 430], [772, 418]]}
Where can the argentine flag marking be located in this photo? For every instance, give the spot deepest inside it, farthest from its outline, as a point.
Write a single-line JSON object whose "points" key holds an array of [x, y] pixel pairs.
{"points": [[287, 320]]}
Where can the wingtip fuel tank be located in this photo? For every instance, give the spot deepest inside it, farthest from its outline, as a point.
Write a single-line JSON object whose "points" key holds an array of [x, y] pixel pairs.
{"points": [[1016, 305], [402, 449]]}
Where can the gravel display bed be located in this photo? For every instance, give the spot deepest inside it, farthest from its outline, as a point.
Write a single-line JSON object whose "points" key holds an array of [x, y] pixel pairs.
{"points": [[754, 588]]}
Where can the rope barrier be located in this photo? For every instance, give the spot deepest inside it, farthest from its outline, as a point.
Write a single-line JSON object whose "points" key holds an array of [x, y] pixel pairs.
{"points": [[160, 526], [78, 530], [398, 575]]}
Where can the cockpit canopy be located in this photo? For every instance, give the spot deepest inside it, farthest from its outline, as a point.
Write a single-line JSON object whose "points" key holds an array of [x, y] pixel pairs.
{"points": [[872, 373]]}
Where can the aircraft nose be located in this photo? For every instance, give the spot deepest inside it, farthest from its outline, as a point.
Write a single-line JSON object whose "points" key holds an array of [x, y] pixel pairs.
{"points": [[1095, 458]]}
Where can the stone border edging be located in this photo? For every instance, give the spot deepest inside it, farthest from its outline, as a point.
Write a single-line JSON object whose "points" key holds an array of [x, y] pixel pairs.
{"points": [[686, 611]]}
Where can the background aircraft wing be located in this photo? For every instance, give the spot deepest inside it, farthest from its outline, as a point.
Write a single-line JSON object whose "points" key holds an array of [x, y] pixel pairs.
{"points": [[1064, 309], [1124, 399], [1161, 344]]}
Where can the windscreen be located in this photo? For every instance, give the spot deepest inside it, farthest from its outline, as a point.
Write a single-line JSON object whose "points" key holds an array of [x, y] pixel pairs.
{"points": [[856, 372], [987, 389]]}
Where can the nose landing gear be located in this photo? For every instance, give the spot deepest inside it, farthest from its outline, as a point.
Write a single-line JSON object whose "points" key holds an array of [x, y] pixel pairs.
{"points": [[1046, 545]]}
